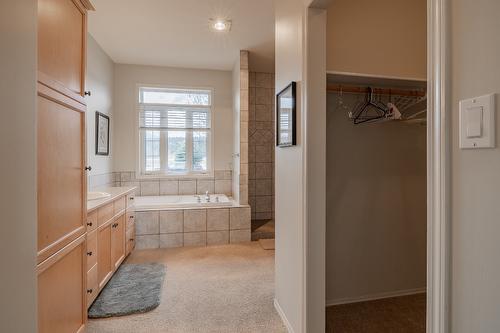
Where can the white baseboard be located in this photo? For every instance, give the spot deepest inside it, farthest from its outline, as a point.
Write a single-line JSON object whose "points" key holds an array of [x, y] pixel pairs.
{"points": [[373, 297], [283, 316]]}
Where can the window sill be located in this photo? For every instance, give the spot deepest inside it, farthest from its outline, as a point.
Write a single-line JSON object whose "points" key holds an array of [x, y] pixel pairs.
{"points": [[208, 175]]}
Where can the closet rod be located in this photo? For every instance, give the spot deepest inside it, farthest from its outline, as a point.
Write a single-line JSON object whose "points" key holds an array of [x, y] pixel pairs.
{"points": [[377, 91]]}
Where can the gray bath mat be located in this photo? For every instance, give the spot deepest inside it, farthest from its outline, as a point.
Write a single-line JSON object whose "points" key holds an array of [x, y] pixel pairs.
{"points": [[135, 288]]}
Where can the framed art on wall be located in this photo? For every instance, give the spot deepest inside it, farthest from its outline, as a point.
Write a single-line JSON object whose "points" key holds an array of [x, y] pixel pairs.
{"points": [[101, 134], [286, 128]]}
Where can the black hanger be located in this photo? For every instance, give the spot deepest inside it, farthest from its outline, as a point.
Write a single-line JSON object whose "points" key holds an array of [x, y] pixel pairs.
{"points": [[370, 110]]}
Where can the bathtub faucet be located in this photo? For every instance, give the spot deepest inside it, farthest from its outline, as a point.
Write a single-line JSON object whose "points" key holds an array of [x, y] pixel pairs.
{"points": [[207, 197]]}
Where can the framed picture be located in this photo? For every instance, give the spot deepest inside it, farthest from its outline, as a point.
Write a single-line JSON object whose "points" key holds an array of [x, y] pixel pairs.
{"points": [[286, 130], [101, 134]]}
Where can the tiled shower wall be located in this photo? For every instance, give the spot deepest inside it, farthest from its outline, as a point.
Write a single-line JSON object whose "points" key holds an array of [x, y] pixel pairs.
{"points": [[261, 145], [244, 123]]}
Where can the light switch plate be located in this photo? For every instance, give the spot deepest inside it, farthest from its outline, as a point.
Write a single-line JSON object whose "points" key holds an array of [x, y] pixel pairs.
{"points": [[477, 122]]}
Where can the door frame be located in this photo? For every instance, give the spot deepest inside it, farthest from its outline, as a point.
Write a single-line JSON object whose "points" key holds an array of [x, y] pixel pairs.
{"points": [[438, 166], [438, 159]]}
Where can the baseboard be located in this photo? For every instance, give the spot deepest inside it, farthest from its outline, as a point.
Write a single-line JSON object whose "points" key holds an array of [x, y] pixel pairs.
{"points": [[373, 297], [283, 316]]}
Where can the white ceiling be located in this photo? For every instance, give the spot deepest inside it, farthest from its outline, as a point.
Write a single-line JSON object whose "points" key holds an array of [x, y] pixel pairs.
{"points": [[176, 33]]}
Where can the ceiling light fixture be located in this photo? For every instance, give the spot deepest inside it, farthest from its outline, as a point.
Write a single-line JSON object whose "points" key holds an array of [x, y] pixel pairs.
{"points": [[220, 25]]}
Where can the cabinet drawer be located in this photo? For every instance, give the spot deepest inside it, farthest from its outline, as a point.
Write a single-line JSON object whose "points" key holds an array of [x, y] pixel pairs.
{"points": [[130, 198], [130, 240], [105, 213], [91, 249], [92, 285], [91, 221], [130, 219], [119, 205]]}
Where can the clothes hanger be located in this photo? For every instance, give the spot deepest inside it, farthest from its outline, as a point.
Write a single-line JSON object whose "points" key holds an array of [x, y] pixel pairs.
{"points": [[370, 110]]}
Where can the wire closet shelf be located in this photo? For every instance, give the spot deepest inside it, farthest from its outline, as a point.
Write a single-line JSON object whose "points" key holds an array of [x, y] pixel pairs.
{"points": [[383, 104]]}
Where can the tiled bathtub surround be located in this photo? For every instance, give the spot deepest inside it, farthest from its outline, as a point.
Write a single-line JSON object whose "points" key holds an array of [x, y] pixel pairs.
{"points": [[110, 179], [221, 183], [192, 227], [261, 145]]}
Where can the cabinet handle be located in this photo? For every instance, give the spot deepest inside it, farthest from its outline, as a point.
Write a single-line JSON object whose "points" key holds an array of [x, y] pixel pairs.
{"points": [[131, 239], [89, 253], [89, 291], [88, 168], [131, 216], [87, 93], [131, 198], [89, 224], [115, 225]]}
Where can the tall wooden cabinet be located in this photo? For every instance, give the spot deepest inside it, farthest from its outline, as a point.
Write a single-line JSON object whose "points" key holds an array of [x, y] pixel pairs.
{"points": [[62, 31]]}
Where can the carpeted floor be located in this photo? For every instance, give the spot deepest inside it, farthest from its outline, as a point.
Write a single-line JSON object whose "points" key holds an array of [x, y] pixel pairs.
{"points": [[404, 314], [223, 289]]}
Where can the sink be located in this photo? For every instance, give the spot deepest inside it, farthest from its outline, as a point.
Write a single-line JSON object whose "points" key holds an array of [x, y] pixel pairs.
{"points": [[97, 195]]}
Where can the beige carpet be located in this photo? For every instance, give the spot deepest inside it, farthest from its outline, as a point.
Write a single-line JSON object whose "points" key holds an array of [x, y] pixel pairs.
{"points": [[267, 244], [219, 289]]}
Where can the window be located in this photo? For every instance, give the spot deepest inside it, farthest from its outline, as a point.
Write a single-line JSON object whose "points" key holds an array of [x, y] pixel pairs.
{"points": [[174, 131]]}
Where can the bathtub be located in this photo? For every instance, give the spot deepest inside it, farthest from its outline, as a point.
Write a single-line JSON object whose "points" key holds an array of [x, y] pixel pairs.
{"points": [[181, 220], [181, 201]]}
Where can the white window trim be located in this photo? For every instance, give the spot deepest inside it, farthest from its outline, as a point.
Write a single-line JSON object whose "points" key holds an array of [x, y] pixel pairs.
{"points": [[138, 148]]}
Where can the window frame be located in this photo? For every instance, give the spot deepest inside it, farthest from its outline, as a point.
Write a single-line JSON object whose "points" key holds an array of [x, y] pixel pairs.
{"points": [[162, 174]]}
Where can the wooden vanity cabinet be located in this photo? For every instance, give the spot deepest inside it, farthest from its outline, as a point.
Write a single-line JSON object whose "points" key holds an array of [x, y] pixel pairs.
{"points": [[118, 241], [110, 243], [104, 261]]}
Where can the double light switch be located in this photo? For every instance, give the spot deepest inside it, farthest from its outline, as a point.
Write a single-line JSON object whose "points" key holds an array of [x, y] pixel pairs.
{"points": [[477, 122]]}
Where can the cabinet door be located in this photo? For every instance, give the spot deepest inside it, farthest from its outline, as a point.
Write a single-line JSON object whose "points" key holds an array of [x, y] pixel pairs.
{"points": [[61, 178], [61, 42], [104, 265], [91, 249], [118, 241], [130, 239], [61, 290], [92, 285]]}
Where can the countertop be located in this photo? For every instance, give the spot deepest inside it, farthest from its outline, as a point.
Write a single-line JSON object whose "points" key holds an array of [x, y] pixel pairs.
{"points": [[115, 192]]}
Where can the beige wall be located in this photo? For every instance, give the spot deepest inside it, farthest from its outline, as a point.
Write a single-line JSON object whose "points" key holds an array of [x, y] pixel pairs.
{"points": [[383, 37], [376, 205], [100, 82], [475, 182], [289, 191], [125, 102], [316, 167], [18, 238]]}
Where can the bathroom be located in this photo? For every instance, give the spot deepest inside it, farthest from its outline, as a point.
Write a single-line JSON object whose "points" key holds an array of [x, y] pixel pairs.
{"points": [[114, 90], [176, 183], [384, 221]]}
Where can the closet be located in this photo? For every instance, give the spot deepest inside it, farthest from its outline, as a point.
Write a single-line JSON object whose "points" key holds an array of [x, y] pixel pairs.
{"points": [[376, 203], [61, 257]]}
